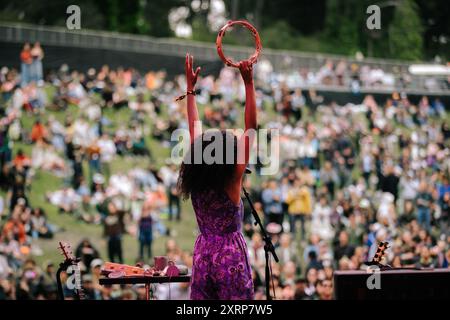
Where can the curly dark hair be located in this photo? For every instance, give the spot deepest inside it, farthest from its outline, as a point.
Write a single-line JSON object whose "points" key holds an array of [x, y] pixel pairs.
{"points": [[198, 177]]}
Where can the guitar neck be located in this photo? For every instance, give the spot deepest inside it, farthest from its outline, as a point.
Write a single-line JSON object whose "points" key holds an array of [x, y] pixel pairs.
{"points": [[71, 260]]}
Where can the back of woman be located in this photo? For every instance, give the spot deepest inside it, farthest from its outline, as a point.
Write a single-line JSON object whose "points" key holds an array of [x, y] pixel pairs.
{"points": [[221, 268]]}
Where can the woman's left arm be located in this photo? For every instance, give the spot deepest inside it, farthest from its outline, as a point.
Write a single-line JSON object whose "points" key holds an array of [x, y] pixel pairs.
{"points": [[246, 140]]}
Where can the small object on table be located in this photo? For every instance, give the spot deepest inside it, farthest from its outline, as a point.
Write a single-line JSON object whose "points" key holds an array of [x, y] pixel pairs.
{"points": [[161, 262], [172, 270], [110, 267]]}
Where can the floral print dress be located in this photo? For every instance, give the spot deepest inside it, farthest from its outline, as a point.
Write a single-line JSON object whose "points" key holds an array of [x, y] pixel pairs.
{"points": [[221, 268]]}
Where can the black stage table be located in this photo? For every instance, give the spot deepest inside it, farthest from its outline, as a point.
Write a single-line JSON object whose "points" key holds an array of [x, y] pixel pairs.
{"points": [[147, 280], [395, 284]]}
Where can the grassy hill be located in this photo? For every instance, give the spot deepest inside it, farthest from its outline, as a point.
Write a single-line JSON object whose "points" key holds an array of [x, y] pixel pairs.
{"points": [[75, 229]]}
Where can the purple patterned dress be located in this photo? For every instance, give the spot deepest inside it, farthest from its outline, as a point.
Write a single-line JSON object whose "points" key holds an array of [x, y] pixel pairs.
{"points": [[221, 268]]}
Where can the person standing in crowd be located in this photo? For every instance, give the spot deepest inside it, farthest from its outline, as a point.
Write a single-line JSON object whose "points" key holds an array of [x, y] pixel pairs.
{"points": [[18, 177], [93, 155], [272, 202], [300, 206], [424, 201], [145, 232], [36, 68], [107, 152], [329, 178], [409, 186], [389, 181], [367, 166], [169, 176], [26, 61], [321, 219], [113, 230]]}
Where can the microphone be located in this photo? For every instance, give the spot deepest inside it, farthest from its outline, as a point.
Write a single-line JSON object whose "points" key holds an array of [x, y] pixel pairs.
{"points": [[248, 171]]}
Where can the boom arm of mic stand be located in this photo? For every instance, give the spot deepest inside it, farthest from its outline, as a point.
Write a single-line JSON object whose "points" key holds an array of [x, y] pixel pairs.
{"points": [[265, 236]]}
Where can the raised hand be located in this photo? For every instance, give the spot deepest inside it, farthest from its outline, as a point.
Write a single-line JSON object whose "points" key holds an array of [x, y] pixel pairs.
{"points": [[246, 69], [191, 76], [191, 80]]}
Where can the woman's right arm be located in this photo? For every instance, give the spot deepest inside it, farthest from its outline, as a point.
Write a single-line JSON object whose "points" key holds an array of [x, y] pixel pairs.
{"points": [[192, 112]]}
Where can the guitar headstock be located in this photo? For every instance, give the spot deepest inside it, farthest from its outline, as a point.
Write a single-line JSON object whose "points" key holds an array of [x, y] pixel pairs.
{"points": [[379, 255], [70, 259], [66, 251]]}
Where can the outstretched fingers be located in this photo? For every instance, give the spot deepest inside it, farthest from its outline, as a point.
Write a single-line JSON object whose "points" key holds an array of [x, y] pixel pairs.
{"points": [[197, 72], [190, 65], [186, 63], [248, 66]]}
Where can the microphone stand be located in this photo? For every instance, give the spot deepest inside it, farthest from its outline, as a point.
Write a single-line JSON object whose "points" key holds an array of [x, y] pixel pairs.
{"points": [[268, 245]]}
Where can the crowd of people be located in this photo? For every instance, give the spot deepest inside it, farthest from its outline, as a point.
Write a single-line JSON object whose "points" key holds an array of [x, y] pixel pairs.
{"points": [[350, 176], [352, 75]]}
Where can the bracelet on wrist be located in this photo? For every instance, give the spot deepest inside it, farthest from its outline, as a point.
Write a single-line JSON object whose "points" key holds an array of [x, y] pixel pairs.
{"points": [[193, 92]]}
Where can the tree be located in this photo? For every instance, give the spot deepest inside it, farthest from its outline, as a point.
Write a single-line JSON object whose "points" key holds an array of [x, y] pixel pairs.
{"points": [[436, 27], [156, 14], [405, 32], [411, 29], [112, 14], [344, 23], [279, 36]]}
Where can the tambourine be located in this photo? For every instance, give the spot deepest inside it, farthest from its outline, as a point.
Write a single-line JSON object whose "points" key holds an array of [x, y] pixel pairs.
{"points": [[258, 47]]}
